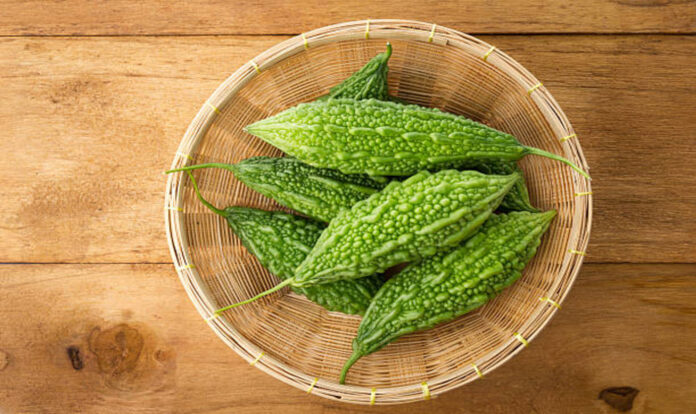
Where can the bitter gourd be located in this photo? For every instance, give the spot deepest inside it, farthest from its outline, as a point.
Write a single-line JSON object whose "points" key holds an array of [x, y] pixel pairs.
{"points": [[281, 241], [387, 138], [406, 221], [320, 193], [450, 283], [368, 82], [371, 82]]}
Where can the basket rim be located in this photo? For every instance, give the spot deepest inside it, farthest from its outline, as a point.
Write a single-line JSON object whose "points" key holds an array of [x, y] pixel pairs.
{"points": [[409, 30]]}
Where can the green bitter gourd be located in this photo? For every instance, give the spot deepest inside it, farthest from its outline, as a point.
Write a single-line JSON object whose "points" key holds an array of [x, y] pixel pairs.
{"points": [[281, 241], [387, 138], [450, 283], [320, 193], [406, 221], [371, 82]]}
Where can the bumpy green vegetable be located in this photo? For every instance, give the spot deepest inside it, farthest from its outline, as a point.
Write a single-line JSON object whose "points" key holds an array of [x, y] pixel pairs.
{"points": [[281, 242], [406, 221], [387, 138], [450, 283], [369, 82], [320, 193], [518, 197]]}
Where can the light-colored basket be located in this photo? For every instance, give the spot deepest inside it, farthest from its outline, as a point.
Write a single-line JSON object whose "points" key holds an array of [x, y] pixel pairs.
{"points": [[299, 342]]}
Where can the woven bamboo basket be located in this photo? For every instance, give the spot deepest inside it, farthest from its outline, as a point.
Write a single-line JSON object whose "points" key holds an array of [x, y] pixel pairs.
{"points": [[297, 341]]}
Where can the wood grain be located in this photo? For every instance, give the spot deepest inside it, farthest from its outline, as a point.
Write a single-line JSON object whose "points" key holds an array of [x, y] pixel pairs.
{"points": [[90, 123], [122, 17], [111, 338]]}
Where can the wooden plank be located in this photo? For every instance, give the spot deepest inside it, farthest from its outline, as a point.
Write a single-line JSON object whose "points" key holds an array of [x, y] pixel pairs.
{"points": [[90, 123], [100, 120], [121, 17], [624, 96], [116, 338]]}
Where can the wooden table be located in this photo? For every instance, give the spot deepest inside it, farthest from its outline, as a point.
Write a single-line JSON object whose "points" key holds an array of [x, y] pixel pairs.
{"points": [[94, 100]]}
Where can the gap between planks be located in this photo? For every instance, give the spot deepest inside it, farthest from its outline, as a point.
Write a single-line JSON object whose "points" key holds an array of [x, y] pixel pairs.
{"points": [[585, 262], [476, 34]]}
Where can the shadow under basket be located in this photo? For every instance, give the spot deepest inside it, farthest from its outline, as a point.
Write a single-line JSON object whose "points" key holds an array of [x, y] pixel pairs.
{"points": [[299, 342]]}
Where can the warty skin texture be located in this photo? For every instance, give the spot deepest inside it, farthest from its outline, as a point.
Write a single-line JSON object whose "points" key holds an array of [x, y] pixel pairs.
{"points": [[320, 193], [281, 241], [382, 138], [387, 138], [406, 221], [451, 283], [371, 82]]}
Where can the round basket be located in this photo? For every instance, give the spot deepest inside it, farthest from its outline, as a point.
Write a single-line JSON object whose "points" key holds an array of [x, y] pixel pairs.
{"points": [[299, 342]]}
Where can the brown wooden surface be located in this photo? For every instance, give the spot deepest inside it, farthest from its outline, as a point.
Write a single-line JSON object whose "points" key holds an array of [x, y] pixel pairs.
{"points": [[124, 17], [138, 344], [88, 124]]}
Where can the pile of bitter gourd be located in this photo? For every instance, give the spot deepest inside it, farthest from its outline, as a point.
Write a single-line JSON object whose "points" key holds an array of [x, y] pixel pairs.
{"points": [[351, 152]]}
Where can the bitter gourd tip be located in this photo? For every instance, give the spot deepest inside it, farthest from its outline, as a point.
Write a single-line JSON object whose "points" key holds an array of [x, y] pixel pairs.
{"points": [[275, 288], [537, 151], [518, 197], [368, 82], [228, 167], [549, 214], [256, 127], [203, 200], [352, 360]]}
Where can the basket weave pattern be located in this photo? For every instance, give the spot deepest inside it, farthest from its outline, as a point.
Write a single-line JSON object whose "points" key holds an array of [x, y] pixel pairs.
{"points": [[296, 340]]}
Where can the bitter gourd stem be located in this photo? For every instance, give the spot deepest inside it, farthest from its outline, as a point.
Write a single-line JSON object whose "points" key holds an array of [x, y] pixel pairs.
{"points": [[353, 358], [260, 295], [537, 151], [229, 167], [203, 200]]}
